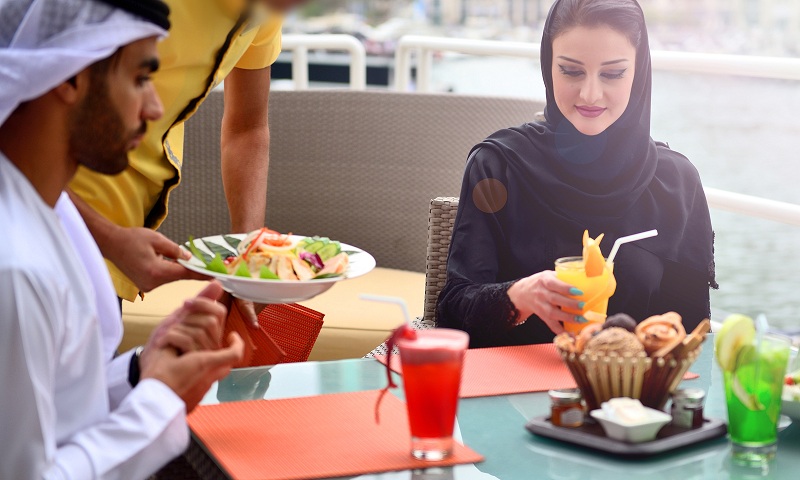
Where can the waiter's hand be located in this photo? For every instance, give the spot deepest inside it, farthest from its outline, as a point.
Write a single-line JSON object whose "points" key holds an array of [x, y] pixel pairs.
{"points": [[186, 352], [147, 257], [543, 294]]}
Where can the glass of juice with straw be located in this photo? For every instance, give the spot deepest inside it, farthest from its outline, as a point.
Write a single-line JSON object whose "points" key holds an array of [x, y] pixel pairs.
{"points": [[432, 366], [593, 275], [596, 290], [753, 392]]}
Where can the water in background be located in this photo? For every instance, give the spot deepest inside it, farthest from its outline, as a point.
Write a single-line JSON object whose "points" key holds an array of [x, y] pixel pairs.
{"points": [[742, 134]]}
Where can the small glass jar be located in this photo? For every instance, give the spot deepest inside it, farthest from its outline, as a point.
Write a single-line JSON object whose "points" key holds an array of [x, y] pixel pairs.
{"points": [[567, 408], [687, 407]]}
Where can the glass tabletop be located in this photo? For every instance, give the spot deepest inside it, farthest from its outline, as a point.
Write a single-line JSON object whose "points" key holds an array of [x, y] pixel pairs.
{"points": [[494, 427]]}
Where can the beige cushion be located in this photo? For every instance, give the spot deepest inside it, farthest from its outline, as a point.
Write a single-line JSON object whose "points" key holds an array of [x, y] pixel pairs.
{"points": [[352, 327]]}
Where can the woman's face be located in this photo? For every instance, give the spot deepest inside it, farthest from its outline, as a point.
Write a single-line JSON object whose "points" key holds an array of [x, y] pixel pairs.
{"points": [[592, 76]]}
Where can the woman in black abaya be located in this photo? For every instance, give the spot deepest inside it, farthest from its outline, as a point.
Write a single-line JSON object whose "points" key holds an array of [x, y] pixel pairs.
{"points": [[529, 193]]}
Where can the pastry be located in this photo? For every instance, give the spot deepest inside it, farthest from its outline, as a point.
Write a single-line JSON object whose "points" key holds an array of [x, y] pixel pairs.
{"points": [[586, 334], [621, 320], [614, 340], [660, 334], [565, 343]]}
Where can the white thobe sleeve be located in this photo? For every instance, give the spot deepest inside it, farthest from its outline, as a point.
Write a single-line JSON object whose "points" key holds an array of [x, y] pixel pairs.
{"points": [[117, 376], [143, 433]]}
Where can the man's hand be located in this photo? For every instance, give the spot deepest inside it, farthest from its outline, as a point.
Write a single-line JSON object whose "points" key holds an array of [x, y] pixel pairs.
{"points": [[147, 257], [191, 375], [185, 352], [249, 310], [197, 325]]}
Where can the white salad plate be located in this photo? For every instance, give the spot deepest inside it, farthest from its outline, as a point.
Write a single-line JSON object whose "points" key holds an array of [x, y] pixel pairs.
{"points": [[276, 291], [791, 402], [791, 409]]}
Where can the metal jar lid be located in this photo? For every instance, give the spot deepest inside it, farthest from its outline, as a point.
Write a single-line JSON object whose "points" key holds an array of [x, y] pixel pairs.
{"points": [[689, 396], [566, 395]]}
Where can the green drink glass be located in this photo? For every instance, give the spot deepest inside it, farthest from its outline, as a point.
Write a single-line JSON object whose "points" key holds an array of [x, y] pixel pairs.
{"points": [[753, 393]]}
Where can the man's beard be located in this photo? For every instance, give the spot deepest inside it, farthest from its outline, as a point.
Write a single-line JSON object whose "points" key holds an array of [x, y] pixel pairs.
{"points": [[98, 138]]}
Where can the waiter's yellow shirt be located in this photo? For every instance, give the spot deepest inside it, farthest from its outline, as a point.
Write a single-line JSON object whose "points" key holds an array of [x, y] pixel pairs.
{"points": [[189, 56]]}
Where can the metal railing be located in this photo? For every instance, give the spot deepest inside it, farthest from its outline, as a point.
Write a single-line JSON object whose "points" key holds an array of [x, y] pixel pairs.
{"points": [[301, 44], [425, 47], [751, 206], [705, 63]]}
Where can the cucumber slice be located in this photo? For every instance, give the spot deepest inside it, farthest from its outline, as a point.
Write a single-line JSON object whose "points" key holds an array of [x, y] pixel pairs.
{"points": [[315, 247], [329, 251], [243, 271], [266, 274], [232, 241], [328, 275], [199, 254], [218, 249], [217, 265]]}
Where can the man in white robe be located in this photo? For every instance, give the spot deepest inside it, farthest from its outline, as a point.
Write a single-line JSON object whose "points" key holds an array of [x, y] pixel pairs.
{"points": [[74, 90]]}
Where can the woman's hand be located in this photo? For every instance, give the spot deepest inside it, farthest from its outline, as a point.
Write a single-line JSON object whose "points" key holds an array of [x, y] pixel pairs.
{"points": [[543, 295]]}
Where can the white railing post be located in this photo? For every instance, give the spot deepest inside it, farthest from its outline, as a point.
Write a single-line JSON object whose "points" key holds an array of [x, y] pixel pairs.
{"points": [[424, 68], [301, 44], [300, 68], [402, 68]]}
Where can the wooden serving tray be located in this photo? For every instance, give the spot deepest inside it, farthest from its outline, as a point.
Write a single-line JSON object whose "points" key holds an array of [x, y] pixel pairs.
{"points": [[589, 435]]}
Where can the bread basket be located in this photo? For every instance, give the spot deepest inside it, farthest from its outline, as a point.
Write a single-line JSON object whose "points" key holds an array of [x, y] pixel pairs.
{"points": [[651, 380]]}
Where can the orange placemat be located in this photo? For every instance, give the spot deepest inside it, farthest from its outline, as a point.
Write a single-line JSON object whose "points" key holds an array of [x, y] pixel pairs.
{"points": [[508, 370], [314, 437]]}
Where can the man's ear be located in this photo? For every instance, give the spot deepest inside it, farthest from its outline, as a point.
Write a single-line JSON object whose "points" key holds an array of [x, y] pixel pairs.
{"points": [[72, 90]]}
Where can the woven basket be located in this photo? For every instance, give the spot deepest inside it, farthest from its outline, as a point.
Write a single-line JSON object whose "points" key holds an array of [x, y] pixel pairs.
{"points": [[652, 381]]}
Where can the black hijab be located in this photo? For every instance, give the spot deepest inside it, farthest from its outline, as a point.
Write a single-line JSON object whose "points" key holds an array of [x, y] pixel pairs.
{"points": [[620, 179], [530, 191]]}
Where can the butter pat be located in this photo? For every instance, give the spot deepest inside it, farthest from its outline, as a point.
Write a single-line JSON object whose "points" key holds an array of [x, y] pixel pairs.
{"points": [[626, 411]]}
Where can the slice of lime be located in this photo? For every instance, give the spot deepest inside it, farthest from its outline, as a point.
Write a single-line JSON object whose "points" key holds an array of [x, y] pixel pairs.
{"points": [[745, 367], [736, 331], [749, 400]]}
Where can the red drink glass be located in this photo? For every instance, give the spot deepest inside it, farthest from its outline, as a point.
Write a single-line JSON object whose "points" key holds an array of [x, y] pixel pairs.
{"points": [[431, 378]]}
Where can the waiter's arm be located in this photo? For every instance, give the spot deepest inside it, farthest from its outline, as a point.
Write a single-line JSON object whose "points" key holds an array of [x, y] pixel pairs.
{"points": [[245, 147]]}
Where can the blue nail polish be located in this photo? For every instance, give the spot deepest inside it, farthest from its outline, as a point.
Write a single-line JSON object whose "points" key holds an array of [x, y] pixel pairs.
{"points": [[575, 291], [580, 319], [581, 305]]}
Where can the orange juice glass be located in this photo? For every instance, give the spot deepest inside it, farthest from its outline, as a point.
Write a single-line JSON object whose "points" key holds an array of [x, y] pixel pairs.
{"points": [[596, 290]]}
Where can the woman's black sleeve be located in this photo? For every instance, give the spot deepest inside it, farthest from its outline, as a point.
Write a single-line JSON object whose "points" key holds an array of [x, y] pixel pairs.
{"points": [[472, 299]]}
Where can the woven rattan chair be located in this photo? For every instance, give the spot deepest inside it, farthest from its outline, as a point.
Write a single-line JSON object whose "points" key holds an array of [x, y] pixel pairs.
{"points": [[440, 231], [441, 218]]}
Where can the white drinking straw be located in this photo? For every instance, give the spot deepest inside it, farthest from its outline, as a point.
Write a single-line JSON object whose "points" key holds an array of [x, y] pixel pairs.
{"points": [[390, 300], [628, 239], [762, 326]]}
